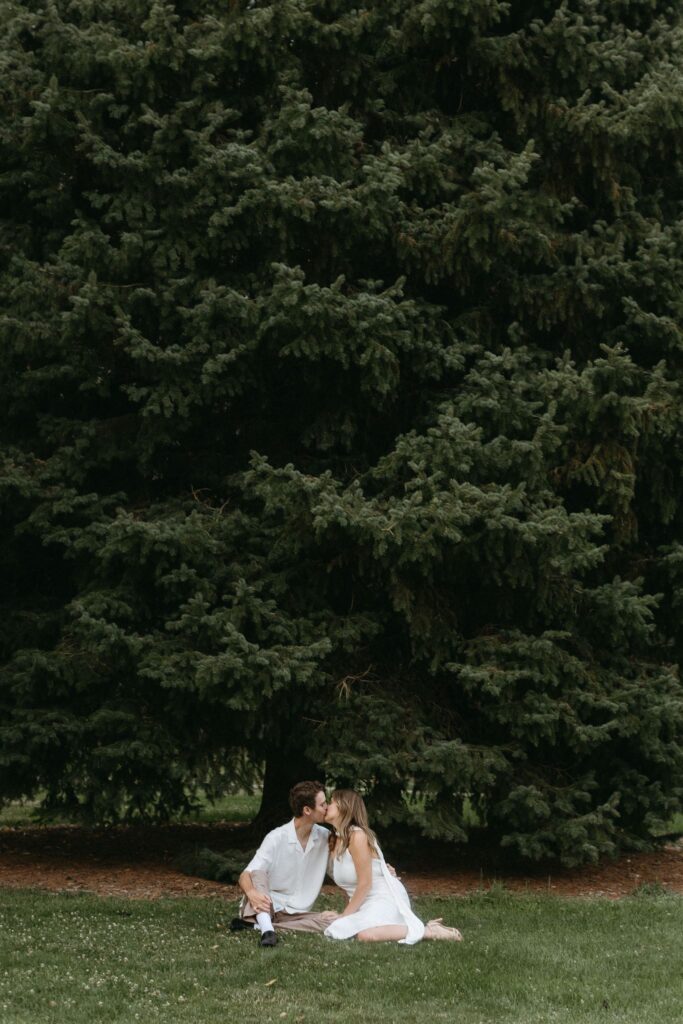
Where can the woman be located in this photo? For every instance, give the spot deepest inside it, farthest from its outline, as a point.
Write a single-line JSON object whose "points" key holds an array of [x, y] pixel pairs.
{"points": [[378, 908]]}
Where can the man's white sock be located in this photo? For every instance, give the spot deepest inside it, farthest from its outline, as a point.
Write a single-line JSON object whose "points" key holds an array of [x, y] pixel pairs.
{"points": [[264, 923]]}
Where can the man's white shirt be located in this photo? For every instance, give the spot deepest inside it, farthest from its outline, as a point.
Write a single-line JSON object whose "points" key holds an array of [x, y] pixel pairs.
{"points": [[295, 875]]}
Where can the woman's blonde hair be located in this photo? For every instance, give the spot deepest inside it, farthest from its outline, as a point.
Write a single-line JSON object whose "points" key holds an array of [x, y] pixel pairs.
{"points": [[352, 812]]}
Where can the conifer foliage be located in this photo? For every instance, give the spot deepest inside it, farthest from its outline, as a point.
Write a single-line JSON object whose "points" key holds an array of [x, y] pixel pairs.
{"points": [[341, 361]]}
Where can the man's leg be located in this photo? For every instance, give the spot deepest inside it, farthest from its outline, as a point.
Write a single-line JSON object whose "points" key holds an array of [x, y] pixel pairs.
{"points": [[259, 919], [261, 883], [311, 921]]}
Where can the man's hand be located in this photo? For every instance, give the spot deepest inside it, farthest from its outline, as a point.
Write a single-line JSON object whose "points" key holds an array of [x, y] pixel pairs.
{"points": [[260, 901], [392, 870]]}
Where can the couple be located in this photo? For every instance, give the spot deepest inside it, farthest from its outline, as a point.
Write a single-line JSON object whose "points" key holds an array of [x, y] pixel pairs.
{"points": [[283, 879]]}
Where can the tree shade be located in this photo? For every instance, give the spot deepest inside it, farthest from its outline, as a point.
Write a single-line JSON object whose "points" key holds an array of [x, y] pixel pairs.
{"points": [[341, 360]]}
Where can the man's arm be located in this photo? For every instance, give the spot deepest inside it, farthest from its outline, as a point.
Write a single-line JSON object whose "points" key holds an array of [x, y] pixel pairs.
{"points": [[260, 901]]}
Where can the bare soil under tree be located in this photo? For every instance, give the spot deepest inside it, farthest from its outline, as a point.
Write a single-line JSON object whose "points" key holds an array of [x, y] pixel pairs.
{"points": [[140, 863]]}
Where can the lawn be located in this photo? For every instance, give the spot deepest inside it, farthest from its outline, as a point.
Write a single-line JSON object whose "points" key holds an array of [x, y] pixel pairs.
{"points": [[676, 824], [526, 960], [232, 807]]}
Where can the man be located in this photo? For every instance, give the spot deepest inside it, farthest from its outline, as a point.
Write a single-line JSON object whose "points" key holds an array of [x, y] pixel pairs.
{"points": [[284, 877]]}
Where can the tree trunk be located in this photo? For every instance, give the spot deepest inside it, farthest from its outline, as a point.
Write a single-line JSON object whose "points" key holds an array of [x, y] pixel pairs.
{"points": [[283, 770]]}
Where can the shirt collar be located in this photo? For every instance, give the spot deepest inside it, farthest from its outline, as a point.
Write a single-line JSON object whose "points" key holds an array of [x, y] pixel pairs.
{"points": [[292, 836]]}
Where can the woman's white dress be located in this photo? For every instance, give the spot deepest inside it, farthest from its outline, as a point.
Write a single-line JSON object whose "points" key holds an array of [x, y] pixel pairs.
{"points": [[386, 903]]}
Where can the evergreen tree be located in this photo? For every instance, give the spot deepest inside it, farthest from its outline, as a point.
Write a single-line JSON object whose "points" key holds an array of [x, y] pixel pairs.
{"points": [[341, 353]]}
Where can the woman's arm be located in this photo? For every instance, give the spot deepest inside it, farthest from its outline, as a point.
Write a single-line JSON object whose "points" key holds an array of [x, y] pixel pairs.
{"points": [[359, 848], [330, 876]]}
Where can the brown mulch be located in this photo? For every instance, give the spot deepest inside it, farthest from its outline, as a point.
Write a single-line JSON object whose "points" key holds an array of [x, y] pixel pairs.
{"points": [[138, 863]]}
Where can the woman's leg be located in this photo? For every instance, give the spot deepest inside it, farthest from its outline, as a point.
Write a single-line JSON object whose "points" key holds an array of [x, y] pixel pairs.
{"points": [[394, 932], [383, 933], [436, 930]]}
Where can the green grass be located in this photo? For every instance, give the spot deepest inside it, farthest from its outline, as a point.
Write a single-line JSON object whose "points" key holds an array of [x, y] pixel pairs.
{"points": [[526, 960], [676, 824], [18, 814], [234, 807]]}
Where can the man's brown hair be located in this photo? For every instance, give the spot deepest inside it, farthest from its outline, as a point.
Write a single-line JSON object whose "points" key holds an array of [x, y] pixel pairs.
{"points": [[303, 795]]}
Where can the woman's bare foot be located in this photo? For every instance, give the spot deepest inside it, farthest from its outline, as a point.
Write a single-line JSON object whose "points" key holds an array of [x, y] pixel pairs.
{"points": [[436, 930]]}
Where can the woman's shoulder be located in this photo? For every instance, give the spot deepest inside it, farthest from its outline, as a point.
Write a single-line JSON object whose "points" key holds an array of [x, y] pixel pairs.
{"points": [[357, 837]]}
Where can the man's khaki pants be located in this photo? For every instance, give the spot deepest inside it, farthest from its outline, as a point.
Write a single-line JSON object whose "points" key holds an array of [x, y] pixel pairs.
{"points": [[310, 921]]}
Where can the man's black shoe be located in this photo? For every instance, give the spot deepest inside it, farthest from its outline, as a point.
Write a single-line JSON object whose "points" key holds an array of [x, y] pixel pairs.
{"points": [[238, 924], [269, 939]]}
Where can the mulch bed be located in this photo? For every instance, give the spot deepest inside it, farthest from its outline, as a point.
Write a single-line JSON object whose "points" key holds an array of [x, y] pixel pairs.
{"points": [[138, 863]]}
